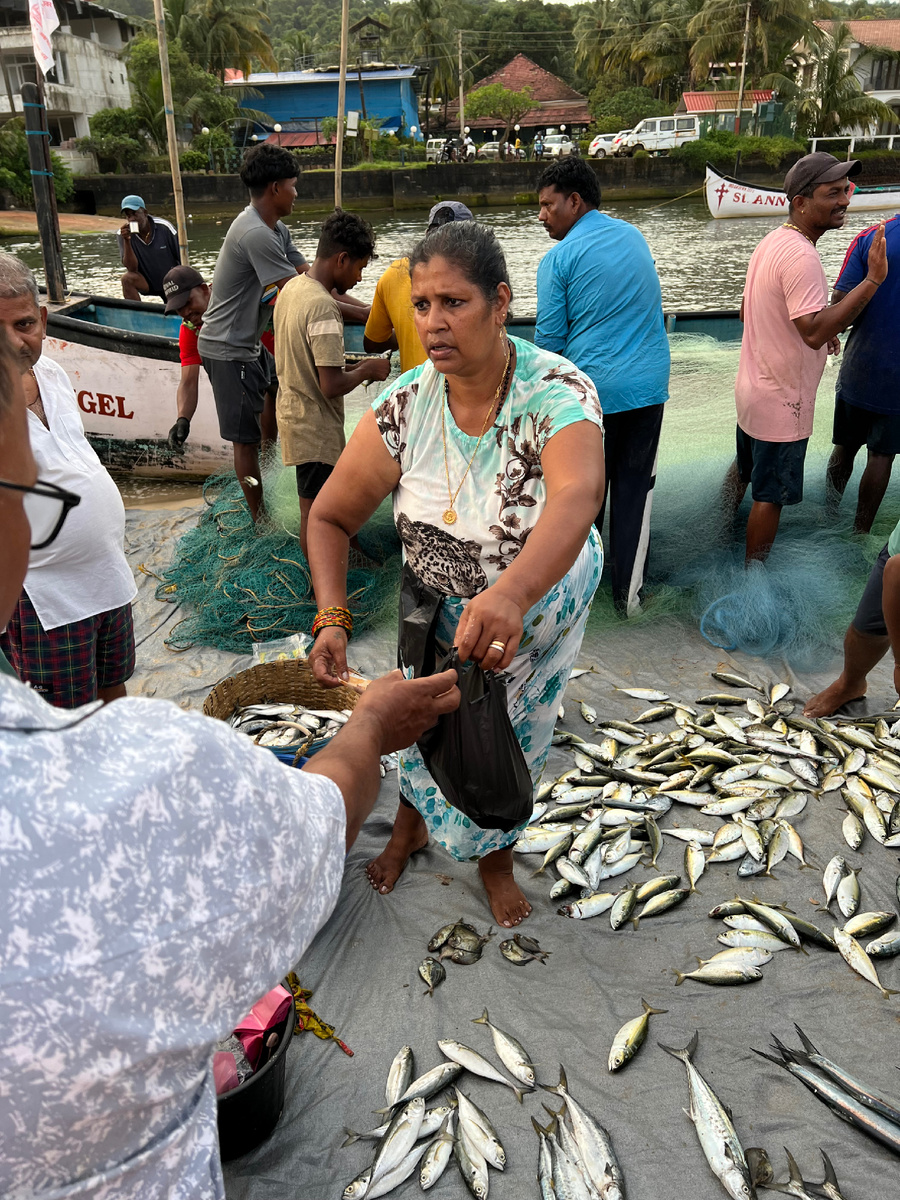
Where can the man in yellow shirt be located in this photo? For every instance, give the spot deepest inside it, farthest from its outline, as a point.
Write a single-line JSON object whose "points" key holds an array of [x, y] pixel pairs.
{"points": [[391, 325]]}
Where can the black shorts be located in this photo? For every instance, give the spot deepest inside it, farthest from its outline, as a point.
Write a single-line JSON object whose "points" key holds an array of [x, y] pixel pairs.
{"points": [[238, 386], [267, 362], [311, 478], [774, 470], [855, 427], [869, 613]]}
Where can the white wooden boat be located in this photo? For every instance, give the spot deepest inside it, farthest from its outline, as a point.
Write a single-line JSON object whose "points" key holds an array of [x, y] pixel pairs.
{"points": [[728, 197]]}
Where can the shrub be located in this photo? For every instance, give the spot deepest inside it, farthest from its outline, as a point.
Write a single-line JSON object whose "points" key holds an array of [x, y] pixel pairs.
{"points": [[632, 105], [720, 148], [193, 160], [15, 170]]}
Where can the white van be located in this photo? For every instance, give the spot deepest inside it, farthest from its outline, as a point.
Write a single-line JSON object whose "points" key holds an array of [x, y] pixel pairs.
{"points": [[433, 148], [659, 135]]}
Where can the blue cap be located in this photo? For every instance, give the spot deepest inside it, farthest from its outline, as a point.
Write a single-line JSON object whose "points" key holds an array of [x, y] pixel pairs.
{"points": [[132, 202]]}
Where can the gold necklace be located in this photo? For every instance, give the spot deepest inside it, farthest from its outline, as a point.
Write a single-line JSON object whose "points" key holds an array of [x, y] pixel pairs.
{"points": [[788, 225], [449, 515]]}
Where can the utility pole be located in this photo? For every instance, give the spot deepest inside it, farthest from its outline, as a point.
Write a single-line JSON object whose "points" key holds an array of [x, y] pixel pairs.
{"points": [[746, 51], [462, 97], [44, 190], [166, 80], [342, 103]]}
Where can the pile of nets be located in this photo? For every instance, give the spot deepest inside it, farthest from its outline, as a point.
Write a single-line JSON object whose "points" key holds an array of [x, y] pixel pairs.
{"points": [[241, 583]]}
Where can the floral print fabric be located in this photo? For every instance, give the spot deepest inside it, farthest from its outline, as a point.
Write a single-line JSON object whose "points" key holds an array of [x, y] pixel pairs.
{"points": [[498, 505], [158, 874]]}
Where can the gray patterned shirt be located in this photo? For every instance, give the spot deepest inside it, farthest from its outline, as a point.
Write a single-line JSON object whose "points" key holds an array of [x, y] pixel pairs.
{"points": [[158, 874]]}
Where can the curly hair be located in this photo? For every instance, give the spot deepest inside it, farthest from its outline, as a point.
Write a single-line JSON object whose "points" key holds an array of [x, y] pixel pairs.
{"points": [[265, 164], [470, 247], [568, 175], [345, 231]]}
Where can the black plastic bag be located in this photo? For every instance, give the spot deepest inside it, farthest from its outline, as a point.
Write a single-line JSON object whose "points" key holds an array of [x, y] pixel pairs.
{"points": [[474, 755], [419, 610]]}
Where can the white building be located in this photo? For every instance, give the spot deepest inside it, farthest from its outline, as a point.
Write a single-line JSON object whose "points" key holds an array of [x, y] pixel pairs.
{"points": [[879, 76], [90, 74]]}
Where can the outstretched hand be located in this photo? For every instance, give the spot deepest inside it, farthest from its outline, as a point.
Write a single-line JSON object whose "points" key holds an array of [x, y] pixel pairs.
{"points": [[489, 618], [405, 708]]}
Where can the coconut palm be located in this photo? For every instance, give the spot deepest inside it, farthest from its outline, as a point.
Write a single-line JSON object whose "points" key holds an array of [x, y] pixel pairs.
{"points": [[834, 100], [423, 30], [664, 48], [717, 32], [219, 34], [292, 49]]}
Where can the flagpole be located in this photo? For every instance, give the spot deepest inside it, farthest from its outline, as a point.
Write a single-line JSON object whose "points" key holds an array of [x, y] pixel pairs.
{"points": [[342, 105], [174, 166]]}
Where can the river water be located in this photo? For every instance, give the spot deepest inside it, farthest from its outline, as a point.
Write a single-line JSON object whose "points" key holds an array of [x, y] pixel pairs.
{"points": [[701, 262]]}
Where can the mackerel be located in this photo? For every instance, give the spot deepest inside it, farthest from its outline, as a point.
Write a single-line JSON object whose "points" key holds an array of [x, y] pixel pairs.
{"points": [[597, 1155], [472, 1061], [510, 1051], [631, 1037]]}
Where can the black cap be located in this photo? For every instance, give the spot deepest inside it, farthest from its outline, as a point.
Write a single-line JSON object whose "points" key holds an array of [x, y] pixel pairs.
{"points": [[818, 168], [178, 285]]}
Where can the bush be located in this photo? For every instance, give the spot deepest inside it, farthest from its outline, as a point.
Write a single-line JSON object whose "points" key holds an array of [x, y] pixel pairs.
{"points": [[632, 105], [193, 160], [605, 125], [720, 148], [15, 170]]}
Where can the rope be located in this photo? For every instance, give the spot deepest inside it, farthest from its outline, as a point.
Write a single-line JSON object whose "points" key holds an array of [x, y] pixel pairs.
{"points": [[676, 198]]}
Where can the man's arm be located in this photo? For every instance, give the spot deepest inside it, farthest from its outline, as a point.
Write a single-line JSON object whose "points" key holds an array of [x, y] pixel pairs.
{"points": [[338, 381], [374, 347], [391, 714], [186, 396], [129, 258], [818, 329], [890, 606], [552, 327], [379, 334], [354, 312]]}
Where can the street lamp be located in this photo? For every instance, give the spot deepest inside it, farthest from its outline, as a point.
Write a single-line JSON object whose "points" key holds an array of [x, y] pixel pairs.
{"points": [[277, 129]]}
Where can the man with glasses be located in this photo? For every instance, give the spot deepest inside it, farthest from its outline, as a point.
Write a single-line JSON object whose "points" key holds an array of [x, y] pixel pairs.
{"points": [[71, 635]]}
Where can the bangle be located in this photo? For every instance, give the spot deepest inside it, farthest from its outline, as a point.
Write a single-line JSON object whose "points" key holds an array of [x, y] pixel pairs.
{"points": [[334, 615]]}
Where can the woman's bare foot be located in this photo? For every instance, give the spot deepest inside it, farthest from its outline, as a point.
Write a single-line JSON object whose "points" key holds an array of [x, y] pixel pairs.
{"points": [[507, 900], [835, 696], [408, 835]]}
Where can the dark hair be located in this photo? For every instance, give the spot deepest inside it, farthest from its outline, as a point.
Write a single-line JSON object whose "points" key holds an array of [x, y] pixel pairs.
{"points": [[568, 175], [265, 164], [472, 248], [348, 232]]}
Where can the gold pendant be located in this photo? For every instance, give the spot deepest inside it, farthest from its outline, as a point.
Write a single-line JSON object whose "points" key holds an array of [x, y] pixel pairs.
{"points": [[449, 517]]}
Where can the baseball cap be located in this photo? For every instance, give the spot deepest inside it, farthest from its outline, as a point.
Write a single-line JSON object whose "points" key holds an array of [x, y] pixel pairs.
{"points": [[132, 202], [447, 211], [818, 168], [177, 286]]}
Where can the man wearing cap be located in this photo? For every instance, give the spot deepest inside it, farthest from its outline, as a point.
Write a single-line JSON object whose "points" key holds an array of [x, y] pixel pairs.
{"points": [[148, 247], [789, 329], [867, 397], [391, 325], [187, 294]]}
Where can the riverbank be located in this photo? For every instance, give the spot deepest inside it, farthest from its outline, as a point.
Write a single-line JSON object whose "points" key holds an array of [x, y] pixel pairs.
{"points": [[14, 222]]}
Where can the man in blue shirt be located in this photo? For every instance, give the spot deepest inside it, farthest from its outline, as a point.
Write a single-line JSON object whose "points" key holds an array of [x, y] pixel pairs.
{"points": [[599, 304], [867, 397]]}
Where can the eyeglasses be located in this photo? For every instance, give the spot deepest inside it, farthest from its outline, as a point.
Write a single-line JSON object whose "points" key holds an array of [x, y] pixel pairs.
{"points": [[46, 507]]}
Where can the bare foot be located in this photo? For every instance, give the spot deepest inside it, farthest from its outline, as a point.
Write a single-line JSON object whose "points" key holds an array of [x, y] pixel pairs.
{"points": [[408, 835], [834, 697], [506, 898]]}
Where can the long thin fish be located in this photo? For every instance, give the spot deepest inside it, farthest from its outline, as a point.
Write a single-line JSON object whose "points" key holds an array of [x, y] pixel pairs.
{"points": [[472, 1061], [511, 1052], [597, 1154]]}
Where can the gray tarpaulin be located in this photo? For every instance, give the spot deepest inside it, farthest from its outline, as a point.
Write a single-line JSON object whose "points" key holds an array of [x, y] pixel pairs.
{"points": [[362, 968]]}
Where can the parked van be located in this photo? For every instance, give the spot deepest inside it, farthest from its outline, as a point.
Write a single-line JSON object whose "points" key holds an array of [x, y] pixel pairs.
{"points": [[433, 148], [659, 135]]}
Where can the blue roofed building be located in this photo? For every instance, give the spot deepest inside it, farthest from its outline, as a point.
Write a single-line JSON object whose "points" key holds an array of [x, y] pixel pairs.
{"points": [[298, 101]]}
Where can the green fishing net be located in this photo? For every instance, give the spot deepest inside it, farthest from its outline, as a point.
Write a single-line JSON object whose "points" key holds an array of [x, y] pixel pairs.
{"points": [[241, 583]]}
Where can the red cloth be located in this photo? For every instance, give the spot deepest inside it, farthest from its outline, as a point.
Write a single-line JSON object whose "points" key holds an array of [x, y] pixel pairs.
{"points": [[187, 347], [265, 1015]]}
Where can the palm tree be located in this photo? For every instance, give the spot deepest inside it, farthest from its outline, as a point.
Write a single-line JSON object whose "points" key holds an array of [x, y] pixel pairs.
{"points": [[717, 32], [219, 34], [423, 31], [833, 101], [664, 48], [292, 49]]}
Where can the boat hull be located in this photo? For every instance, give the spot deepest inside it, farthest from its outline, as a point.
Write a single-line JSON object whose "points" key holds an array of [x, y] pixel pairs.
{"points": [[727, 198]]}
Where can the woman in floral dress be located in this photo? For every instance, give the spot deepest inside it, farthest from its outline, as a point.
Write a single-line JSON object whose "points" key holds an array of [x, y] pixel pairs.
{"points": [[493, 452]]}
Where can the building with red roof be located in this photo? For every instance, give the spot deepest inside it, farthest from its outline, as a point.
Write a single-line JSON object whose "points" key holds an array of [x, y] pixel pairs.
{"points": [[555, 102]]}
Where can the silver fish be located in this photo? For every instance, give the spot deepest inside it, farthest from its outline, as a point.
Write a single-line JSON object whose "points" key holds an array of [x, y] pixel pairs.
{"points": [[589, 714], [480, 1131], [472, 1061], [511, 1052], [397, 1142], [589, 906], [643, 694], [848, 893], [472, 1166], [863, 924], [597, 1155], [832, 877], [747, 956], [399, 1075], [721, 974], [753, 937], [432, 973], [857, 960], [430, 1083], [715, 1130], [662, 902], [631, 1037], [886, 946], [694, 863], [437, 1156], [623, 907]]}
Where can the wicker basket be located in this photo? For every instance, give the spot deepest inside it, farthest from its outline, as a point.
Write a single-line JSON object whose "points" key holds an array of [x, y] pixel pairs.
{"points": [[287, 681]]}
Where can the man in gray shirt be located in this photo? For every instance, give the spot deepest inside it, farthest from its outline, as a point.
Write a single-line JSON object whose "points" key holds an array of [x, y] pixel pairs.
{"points": [[257, 258]]}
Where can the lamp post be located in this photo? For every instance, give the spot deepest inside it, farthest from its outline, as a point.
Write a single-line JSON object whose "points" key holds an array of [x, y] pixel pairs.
{"points": [[209, 156], [277, 129]]}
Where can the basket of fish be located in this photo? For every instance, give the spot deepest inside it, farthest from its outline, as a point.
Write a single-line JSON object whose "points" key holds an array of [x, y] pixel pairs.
{"points": [[281, 706]]}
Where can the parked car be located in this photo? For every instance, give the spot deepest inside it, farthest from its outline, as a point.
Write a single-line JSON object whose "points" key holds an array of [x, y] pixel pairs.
{"points": [[557, 145], [489, 150], [433, 148], [659, 135], [603, 143]]}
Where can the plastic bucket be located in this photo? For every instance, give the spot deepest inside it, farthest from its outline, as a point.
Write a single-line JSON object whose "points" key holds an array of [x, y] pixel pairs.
{"points": [[249, 1113]]}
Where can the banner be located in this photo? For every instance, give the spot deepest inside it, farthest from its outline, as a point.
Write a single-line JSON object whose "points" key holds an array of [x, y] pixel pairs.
{"points": [[44, 20]]}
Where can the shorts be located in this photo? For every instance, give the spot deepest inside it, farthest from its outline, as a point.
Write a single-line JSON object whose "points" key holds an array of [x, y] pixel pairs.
{"points": [[68, 664], [238, 386], [855, 427], [869, 617], [267, 362], [774, 470], [311, 478]]}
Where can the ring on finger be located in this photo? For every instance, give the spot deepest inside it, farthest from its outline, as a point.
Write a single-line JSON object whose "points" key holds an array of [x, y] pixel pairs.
{"points": [[498, 645]]}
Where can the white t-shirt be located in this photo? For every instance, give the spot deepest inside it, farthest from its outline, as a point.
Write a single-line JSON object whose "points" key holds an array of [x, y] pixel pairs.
{"points": [[84, 571]]}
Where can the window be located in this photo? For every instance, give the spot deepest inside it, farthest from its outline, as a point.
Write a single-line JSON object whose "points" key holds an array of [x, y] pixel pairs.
{"points": [[21, 68], [647, 127], [685, 123], [666, 126], [885, 75]]}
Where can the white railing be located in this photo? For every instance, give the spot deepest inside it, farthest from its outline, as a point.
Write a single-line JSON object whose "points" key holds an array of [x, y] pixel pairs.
{"points": [[890, 138]]}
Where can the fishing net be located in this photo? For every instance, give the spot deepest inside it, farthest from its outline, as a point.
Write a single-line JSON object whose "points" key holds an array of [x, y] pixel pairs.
{"points": [[241, 585]]}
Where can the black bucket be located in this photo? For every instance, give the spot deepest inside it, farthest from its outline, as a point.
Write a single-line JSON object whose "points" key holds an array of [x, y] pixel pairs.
{"points": [[249, 1112]]}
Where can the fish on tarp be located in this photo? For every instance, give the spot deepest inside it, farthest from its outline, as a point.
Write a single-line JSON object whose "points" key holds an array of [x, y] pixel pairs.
{"points": [[631, 1037]]}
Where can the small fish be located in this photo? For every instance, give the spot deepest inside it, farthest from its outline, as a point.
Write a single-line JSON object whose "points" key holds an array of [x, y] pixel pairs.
{"points": [[427, 1085], [778, 691], [694, 863], [589, 906], [748, 956], [577, 672], [472, 1061], [832, 877], [398, 1141], [735, 680], [776, 921], [472, 1167], [659, 883], [399, 1074], [588, 713], [848, 893], [597, 1156], [437, 1156], [719, 698], [511, 1052], [432, 973], [886, 946], [662, 902], [654, 837], [631, 1037], [643, 694], [530, 945], [721, 974], [753, 937], [657, 713], [857, 960], [703, 837], [864, 924], [440, 938], [623, 907]]}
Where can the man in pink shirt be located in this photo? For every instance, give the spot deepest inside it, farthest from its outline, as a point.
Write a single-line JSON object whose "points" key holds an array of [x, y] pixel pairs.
{"points": [[789, 328]]}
